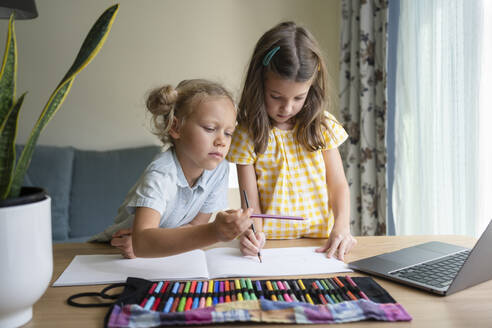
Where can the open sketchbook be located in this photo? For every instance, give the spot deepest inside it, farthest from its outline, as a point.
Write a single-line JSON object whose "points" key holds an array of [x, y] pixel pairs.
{"points": [[214, 263]]}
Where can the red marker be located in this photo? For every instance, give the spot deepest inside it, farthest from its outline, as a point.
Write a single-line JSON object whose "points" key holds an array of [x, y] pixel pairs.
{"points": [[189, 301]]}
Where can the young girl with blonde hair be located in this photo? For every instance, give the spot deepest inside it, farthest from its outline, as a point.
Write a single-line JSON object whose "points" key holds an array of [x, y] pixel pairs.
{"points": [[285, 145], [168, 210]]}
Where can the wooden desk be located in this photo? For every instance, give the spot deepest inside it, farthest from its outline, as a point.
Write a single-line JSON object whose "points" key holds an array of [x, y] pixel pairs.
{"points": [[468, 308]]}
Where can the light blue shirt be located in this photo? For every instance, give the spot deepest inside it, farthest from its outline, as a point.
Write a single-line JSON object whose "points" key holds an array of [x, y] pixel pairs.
{"points": [[164, 188]]}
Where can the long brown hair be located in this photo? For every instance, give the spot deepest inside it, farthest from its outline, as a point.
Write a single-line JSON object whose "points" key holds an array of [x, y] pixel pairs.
{"points": [[299, 59]]}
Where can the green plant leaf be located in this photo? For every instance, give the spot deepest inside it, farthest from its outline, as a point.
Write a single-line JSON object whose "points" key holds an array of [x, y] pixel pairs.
{"points": [[8, 74], [89, 49], [8, 136]]}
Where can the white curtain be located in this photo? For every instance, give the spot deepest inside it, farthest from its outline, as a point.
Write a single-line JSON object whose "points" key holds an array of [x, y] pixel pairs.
{"points": [[439, 119]]}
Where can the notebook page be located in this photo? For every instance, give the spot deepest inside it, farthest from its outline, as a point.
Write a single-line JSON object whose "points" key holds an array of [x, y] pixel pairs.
{"points": [[113, 268], [228, 262]]}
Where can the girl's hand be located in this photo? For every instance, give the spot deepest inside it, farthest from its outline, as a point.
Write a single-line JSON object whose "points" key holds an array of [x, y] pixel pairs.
{"points": [[250, 243], [340, 241], [231, 223], [122, 239]]}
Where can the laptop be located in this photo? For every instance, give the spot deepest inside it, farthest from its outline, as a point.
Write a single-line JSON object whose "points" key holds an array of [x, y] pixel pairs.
{"points": [[436, 267]]}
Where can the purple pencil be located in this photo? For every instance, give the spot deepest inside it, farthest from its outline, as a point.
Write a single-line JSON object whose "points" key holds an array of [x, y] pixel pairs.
{"points": [[274, 216]]}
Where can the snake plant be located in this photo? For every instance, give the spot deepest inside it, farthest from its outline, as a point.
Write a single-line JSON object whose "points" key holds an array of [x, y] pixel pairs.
{"points": [[12, 172]]}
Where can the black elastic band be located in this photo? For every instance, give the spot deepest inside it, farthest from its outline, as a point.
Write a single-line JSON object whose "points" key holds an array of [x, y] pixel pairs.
{"points": [[102, 294]]}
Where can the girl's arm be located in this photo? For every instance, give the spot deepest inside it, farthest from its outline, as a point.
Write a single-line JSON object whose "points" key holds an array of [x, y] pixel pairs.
{"points": [[250, 243], [340, 240], [149, 240]]}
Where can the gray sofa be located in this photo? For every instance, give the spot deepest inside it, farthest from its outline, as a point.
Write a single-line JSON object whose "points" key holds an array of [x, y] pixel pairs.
{"points": [[86, 187]]}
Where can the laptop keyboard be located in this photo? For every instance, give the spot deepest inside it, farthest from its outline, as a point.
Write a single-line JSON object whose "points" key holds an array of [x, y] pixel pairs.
{"points": [[438, 273]]}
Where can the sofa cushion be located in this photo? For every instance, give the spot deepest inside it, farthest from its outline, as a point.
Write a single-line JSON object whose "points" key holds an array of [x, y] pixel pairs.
{"points": [[101, 180], [51, 169]]}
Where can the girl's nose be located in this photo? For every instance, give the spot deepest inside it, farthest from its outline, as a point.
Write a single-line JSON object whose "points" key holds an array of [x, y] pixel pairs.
{"points": [[287, 107], [220, 140]]}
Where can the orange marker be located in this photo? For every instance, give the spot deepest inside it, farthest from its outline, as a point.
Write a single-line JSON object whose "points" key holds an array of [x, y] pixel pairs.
{"points": [[349, 293], [227, 291]]}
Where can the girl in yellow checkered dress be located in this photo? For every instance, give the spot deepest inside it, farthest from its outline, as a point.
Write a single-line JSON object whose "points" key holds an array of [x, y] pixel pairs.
{"points": [[285, 145]]}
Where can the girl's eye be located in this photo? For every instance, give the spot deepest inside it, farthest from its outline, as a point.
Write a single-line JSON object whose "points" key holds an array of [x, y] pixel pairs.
{"points": [[209, 129], [275, 97], [229, 134], [299, 98]]}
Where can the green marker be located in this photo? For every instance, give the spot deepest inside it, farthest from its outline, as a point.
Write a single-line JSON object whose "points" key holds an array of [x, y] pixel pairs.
{"points": [[182, 301], [251, 291]]}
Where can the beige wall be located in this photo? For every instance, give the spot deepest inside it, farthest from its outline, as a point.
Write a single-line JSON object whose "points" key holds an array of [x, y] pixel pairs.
{"points": [[152, 42]]}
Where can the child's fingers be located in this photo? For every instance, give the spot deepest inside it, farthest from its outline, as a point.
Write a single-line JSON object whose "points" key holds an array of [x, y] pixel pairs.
{"points": [[333, 245], [122, 232], [117, 241], [343, 248], [249, 243], [260, 236]]}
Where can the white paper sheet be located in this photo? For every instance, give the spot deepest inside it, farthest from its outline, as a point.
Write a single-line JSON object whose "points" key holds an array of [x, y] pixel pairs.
{"points": [[214, 263], [106, 269], [228, 262]]}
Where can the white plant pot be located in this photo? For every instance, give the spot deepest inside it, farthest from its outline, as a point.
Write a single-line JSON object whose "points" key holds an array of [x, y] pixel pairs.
{"points": [[26, 259]]}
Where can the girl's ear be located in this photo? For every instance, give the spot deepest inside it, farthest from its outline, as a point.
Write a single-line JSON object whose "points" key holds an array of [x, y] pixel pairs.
{"points": [[174, 130]]}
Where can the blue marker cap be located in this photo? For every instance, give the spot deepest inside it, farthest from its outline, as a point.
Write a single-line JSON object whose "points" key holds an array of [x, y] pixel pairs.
{"points": [[159, 286], [175, 287], [149, 303], [169, 303]]}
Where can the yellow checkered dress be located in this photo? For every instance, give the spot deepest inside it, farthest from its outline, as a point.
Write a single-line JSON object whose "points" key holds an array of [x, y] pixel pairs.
{"points": [[291, 180]]}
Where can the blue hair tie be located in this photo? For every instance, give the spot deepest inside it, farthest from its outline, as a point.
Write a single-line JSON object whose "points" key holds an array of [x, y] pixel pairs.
{"points": [[269, 55]]}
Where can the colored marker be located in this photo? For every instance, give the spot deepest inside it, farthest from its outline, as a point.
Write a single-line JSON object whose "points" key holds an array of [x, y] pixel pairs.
{"points": [[353, 284], [204, 293], [196, 301], [151, 290], [178, 298], [221, 291], [276, 289], [239, 295], [233, 292], [284, 290], [290, 291], [334, 291], [270, 289], [215, 298], [245, 290], [252, 294], [328, 291], [161, 289], [320, 295], [182, 301], [341, 295], [259, 289], [149, 303], [298, 291], [308, 297], [170, 300], [325, 292], [349, 293], [210, 291], [189, 301], [227, 291]]}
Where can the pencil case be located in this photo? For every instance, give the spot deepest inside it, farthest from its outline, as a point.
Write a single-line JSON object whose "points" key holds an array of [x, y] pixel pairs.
{"points": [[145, 303]]}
